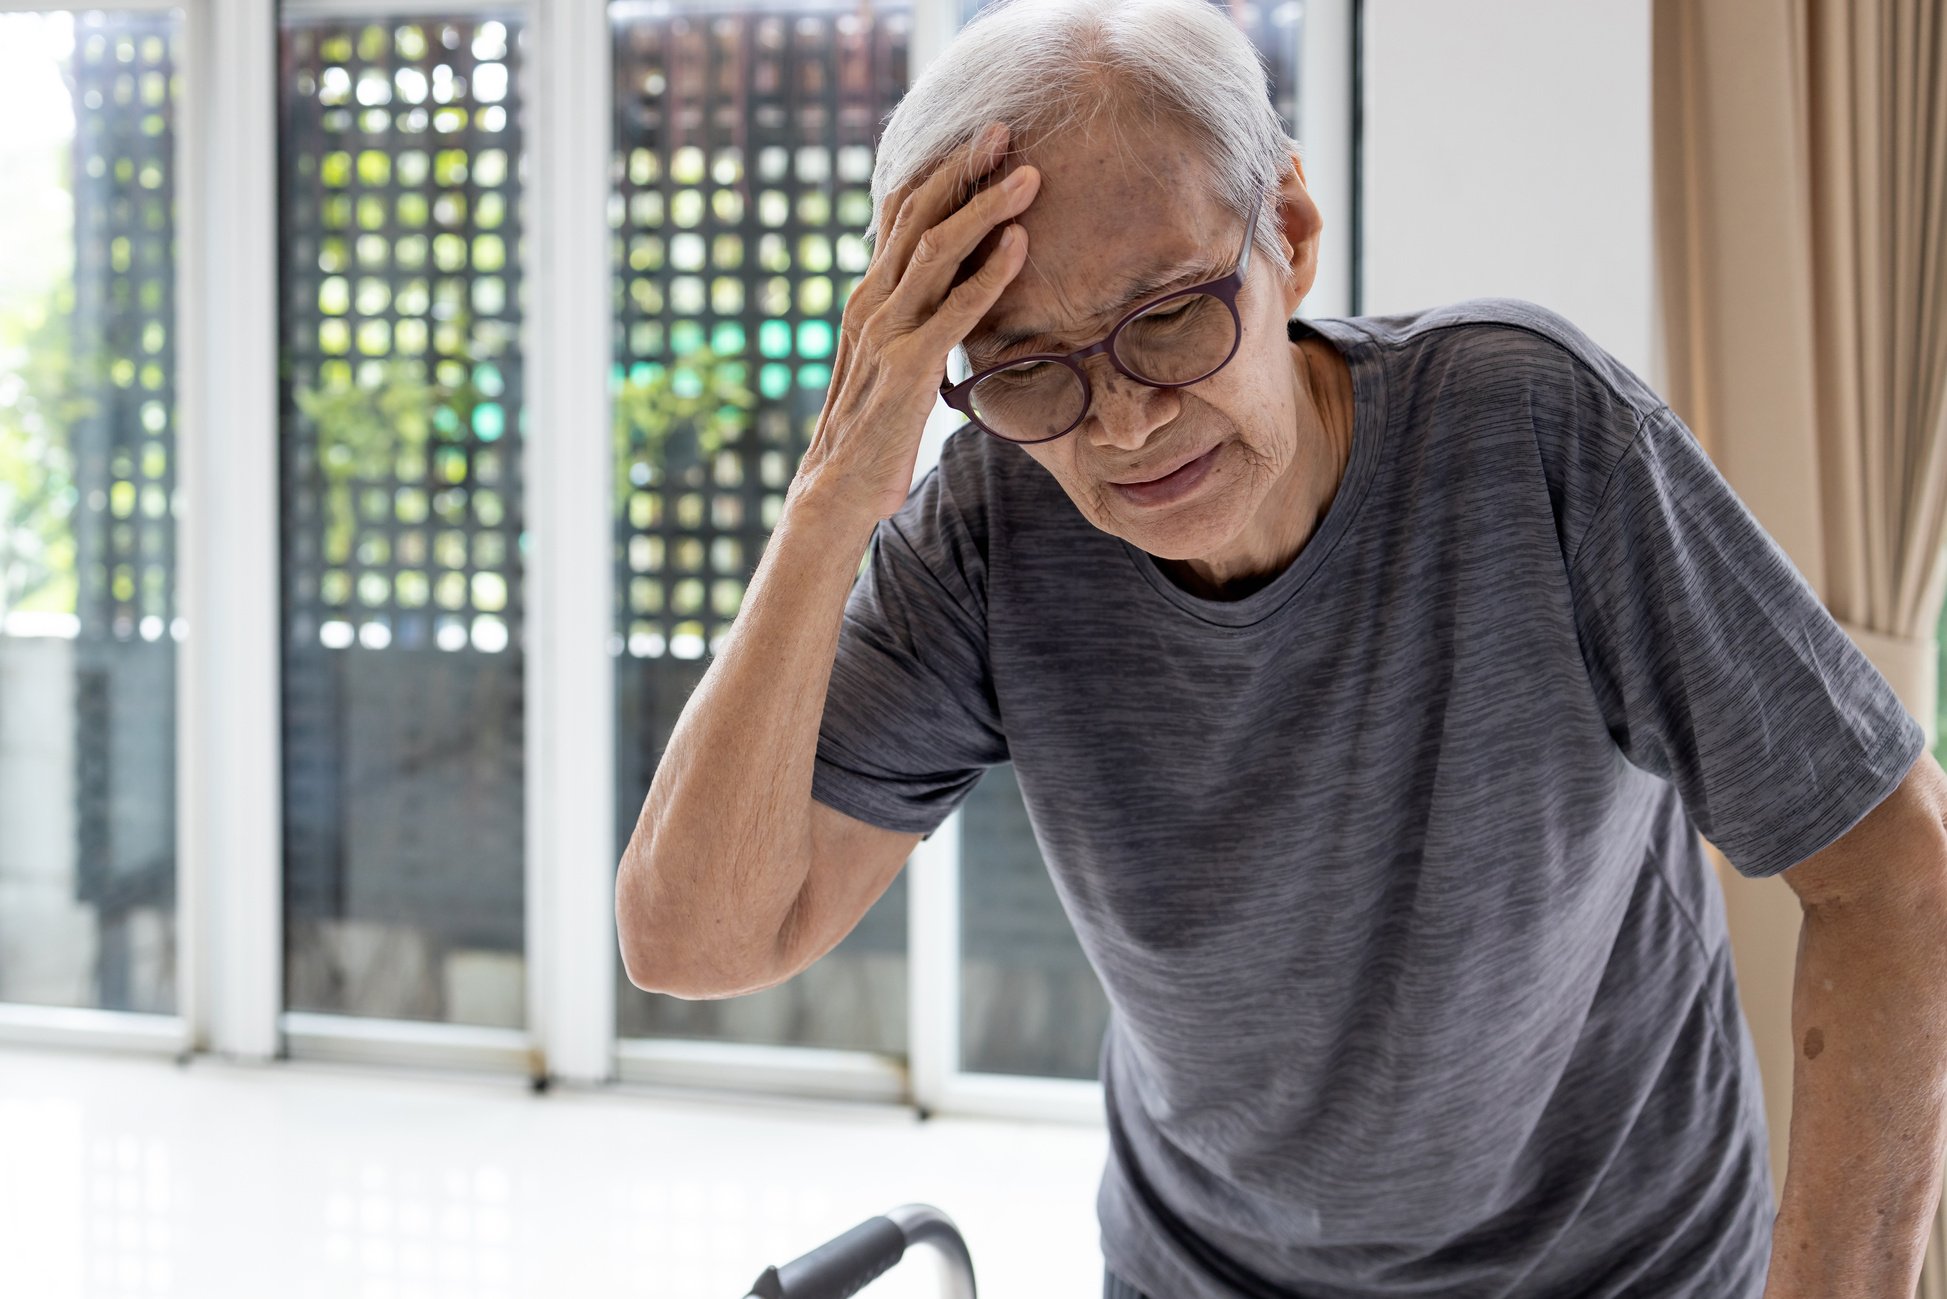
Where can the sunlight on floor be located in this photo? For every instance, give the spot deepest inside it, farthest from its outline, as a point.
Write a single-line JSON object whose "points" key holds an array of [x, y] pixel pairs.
{"points": [[128, 1176]]}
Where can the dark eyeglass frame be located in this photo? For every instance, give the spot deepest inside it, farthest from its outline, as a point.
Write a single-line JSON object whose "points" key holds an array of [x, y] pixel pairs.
{"points": [[1225, 289]]}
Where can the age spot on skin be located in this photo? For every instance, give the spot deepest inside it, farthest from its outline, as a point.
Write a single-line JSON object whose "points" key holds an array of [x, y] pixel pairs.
{"points": [[1814, 1042]]}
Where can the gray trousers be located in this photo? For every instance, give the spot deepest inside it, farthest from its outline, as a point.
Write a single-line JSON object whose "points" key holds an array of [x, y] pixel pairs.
{"points": [[1114, 1287]]}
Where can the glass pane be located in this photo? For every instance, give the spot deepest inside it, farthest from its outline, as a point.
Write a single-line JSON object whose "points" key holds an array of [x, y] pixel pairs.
{"points": [[402, 418], [743, 167], [1029, 1000], [88, 509]]}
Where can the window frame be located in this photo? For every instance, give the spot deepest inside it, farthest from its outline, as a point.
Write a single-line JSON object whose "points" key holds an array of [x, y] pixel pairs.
{"points": [[165, 1034], [230, 798]]}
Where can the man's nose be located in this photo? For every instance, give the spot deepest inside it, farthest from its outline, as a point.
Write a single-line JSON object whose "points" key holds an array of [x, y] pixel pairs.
{"points": [[1124, 412]]}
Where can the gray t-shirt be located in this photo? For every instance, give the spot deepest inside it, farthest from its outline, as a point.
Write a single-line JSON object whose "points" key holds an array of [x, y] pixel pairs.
{"points": [[1419, 980]]}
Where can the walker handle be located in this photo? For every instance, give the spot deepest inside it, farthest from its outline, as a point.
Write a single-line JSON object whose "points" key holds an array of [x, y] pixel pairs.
{"points": [[842, 1267]]}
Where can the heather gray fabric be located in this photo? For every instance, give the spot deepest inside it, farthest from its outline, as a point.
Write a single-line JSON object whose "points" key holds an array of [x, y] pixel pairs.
{"points": [[1420, 984]]}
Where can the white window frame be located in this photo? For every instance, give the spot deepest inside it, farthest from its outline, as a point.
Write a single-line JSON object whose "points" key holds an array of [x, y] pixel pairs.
{"points": [[230, 839], [231, 709], [569, 940], [172, 1034]]}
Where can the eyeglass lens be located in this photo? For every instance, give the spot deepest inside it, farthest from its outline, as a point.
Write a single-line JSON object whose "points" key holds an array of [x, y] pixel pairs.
{"points": [[1179, 340]]}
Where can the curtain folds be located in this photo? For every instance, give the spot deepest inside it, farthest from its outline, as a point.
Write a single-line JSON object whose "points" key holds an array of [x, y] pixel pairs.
{"points": [[1801, 210]]}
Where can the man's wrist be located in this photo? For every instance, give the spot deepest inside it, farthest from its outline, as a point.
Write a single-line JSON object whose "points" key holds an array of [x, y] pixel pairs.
{"points": [[822, 502]]}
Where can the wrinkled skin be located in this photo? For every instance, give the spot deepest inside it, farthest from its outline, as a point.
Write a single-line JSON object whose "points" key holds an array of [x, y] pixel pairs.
{"points": [[1101, 218]]}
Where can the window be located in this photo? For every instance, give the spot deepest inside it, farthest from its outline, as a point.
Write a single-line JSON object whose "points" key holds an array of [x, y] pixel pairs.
{"points": [[401, 232], [88, 510], [743, 169], [352, 576]]}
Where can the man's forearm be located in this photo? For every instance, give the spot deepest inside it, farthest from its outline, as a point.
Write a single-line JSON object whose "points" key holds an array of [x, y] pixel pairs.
{"points": [[721, 846], [1869, 1081]]}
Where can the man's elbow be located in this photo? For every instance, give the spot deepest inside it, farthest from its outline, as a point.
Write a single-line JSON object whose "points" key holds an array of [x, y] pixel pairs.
{"points": [[695, 987], [671, 954], [688, 971]]}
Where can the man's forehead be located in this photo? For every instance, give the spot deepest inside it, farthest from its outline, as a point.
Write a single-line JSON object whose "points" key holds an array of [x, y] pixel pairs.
{"points": [[1121, 212], [1033, 312]]}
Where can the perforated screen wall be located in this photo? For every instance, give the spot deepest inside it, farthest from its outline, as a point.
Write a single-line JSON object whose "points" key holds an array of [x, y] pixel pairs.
{"points": [[119, 407], [401, 159], [743, 160]]}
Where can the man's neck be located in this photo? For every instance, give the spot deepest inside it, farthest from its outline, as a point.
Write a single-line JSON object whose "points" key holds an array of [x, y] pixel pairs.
{"points": [[1310, 484]]}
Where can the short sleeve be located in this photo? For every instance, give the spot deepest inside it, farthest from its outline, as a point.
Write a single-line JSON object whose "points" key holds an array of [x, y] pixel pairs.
{"points": [[1718, 668], [911, 722]]}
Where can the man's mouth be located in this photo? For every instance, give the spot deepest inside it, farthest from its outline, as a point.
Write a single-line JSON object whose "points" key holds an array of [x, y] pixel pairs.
{"points": [[1157, 478], [1172, 486]]}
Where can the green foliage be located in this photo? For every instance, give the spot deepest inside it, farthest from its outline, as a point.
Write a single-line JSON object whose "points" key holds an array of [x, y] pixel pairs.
{"points": [[44, 391], [670, 421], [361, 428], [398, 424], [403, 425]]}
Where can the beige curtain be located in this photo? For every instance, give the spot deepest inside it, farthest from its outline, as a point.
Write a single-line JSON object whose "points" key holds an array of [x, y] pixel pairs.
{"points": [[1801, 207]]}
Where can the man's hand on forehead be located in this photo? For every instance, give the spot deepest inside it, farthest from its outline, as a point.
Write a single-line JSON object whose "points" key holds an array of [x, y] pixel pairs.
{"points": [[987, 180], [977, 258]]}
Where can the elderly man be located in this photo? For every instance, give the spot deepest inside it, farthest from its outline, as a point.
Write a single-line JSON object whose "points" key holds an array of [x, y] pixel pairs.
{"points": [[1368, 682]]}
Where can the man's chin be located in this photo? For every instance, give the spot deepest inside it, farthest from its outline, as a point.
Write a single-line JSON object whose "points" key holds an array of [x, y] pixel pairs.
{"points": [[1181, 534]]}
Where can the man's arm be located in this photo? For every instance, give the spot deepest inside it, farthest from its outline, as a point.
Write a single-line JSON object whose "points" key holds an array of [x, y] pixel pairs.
{"points": [[1869, 1074]]}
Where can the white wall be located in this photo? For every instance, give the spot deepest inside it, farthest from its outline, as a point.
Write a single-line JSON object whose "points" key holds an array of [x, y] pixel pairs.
{"points": [[1507, 152]]}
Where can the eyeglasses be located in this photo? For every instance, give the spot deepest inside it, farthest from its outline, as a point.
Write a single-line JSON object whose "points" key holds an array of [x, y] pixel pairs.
{"points": [[1179, 339]]}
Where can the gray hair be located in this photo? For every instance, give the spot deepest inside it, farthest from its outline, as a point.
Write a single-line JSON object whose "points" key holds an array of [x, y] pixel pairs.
{"points": [[1048, 66]]}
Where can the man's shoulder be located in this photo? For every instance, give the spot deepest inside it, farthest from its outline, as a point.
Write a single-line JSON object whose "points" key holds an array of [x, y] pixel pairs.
{"points": [[977, 475], [1501, 368], [1481, 349], [969, 455], [954, 493], [948, 514]]}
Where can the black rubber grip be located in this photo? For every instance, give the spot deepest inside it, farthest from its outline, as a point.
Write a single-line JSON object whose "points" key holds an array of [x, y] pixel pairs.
{"points": [[841, 1268]]}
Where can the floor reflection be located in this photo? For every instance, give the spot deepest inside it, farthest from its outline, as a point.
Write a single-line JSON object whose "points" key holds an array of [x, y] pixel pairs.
{"points": [[131, 1177]]}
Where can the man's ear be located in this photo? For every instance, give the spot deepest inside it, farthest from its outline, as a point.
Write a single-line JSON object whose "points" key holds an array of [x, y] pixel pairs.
{"points": [[1299, 222]]}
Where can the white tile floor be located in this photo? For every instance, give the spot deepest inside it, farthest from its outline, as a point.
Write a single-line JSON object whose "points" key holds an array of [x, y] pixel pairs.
{"points": [[123, 1176]]}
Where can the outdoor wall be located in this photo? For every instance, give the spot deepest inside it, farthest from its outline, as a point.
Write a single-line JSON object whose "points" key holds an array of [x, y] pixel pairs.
{"points": [[47, 937]]}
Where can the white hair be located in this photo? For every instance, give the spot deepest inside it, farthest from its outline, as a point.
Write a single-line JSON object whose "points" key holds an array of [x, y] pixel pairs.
{"points": [[1048, 66]]}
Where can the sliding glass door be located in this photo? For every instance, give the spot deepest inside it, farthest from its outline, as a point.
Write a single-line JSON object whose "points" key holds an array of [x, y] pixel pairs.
{"points": [[402, 522], [88, 510]]}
